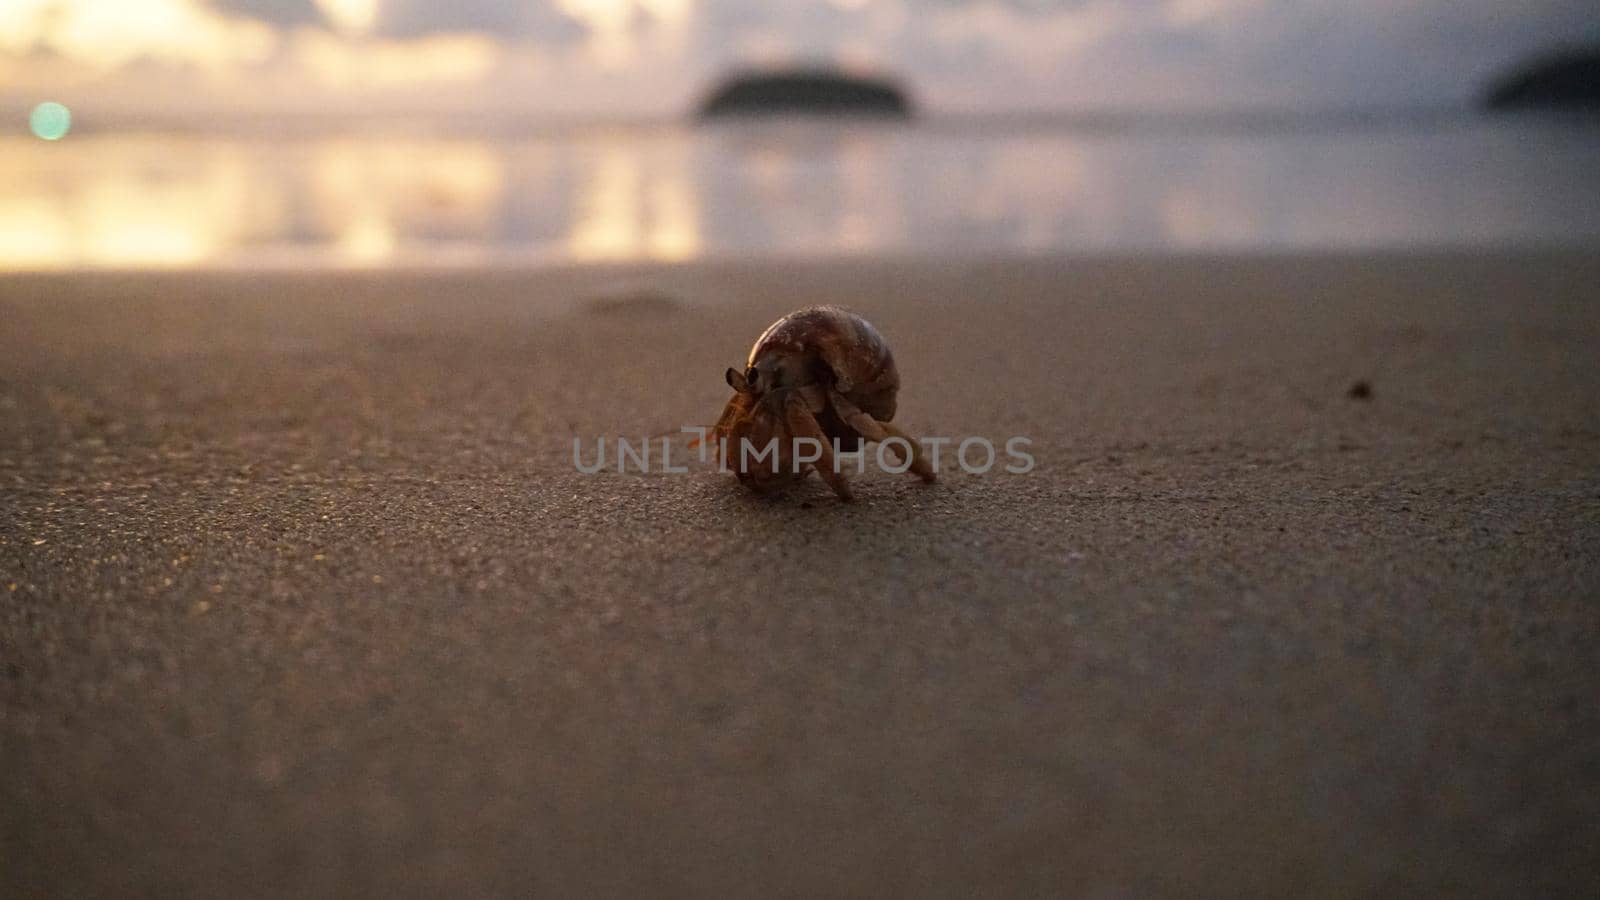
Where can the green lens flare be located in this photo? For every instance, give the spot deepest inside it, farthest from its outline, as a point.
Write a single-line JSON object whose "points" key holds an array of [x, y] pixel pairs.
{"points": [[50, 121]]}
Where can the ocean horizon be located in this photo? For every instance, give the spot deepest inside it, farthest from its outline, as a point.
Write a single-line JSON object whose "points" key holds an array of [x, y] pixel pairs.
{"points": [[434, 190]]}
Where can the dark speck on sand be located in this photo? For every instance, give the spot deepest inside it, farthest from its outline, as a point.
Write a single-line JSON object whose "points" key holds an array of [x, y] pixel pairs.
{"points": [[301, 594]]}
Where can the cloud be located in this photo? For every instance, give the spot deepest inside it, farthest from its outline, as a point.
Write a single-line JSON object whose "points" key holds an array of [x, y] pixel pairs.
{"points": [[538, 20], [541, 22], [283, 13], [105, 35], [953, 53], [1227, 53]]}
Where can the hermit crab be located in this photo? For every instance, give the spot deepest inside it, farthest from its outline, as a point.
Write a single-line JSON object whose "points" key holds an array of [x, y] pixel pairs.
{"points": [[820, 380]]}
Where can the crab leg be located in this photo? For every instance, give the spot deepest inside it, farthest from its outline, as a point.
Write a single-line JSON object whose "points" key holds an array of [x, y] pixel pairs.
{"points": [[737, 407], [801, 423], [874, 430]]}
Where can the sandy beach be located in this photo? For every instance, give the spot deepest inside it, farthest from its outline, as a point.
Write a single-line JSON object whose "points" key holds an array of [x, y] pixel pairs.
{"points": [[303, 594]]}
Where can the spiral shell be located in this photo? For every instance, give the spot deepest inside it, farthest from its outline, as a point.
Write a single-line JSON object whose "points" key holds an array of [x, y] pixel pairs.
{"points": [[822, 374], [831, 346]]}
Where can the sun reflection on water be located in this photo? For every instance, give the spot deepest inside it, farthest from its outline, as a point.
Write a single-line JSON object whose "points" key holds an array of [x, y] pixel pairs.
{"points": [[632, 205], [375, 202], [149, 211], [674, 233], [608, 226], [34, 234], [673, 195]]}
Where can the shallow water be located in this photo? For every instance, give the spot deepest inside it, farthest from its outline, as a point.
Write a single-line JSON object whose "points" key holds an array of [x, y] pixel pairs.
{"points": [[432, 196]]}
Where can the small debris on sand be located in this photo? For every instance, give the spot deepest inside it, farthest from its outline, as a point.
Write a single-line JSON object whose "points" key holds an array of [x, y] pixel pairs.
{"points": [[631, 300]]}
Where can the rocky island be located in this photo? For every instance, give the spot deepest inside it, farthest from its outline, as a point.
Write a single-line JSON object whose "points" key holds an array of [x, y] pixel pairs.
{"points": [[820, 91], [1569, 80]]}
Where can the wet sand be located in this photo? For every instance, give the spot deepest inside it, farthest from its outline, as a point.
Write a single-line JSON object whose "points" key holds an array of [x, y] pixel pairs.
{"points": [[303, 595]]}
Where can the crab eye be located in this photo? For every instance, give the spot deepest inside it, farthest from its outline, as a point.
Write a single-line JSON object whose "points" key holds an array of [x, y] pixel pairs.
{"points": [[750, 374]]}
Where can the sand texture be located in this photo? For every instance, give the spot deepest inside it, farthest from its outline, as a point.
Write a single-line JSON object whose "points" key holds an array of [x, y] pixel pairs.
{"points": [[302, 595]]}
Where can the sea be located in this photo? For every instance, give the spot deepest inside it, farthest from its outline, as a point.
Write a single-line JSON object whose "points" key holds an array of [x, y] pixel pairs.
{"points": [[409, 193]]}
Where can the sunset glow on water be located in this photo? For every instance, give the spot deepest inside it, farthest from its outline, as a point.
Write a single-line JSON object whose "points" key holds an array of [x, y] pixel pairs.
{"points": [[678, 194]]}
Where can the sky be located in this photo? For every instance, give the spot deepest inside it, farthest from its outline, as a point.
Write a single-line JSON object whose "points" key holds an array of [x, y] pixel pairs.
{"points": [[656, 57]]}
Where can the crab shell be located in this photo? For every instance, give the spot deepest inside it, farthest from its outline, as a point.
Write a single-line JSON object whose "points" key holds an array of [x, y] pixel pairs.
{"points": [[816, 350], [835, 348]]}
